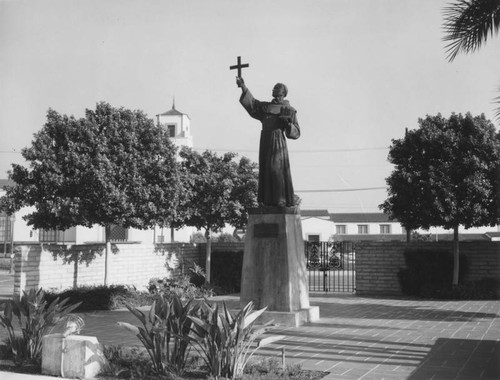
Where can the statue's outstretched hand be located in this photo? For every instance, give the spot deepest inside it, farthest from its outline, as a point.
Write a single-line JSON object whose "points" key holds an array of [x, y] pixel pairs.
{"points": [[240, 82]]}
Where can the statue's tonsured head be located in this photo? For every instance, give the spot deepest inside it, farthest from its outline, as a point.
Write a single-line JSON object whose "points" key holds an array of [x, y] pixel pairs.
{"points": [[280, 87]]}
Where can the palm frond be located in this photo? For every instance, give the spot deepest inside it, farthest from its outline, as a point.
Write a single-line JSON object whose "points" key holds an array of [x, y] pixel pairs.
{"points": [[497, 111], [468, 24]]}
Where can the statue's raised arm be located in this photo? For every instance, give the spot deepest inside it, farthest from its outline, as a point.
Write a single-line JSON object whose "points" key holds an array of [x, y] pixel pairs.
{"points": [[241, 83]]}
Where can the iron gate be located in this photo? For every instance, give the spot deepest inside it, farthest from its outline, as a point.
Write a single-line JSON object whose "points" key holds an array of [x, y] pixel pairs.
{"points": [[331, 266]]}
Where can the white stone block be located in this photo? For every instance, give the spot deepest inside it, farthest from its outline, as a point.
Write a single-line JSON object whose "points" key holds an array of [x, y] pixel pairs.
{"points": [[75, 356]]}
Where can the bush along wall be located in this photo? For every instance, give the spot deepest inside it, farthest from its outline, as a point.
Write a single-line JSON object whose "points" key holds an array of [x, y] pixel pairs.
{"points": [[226, 269], [429, 274], [378, 267], [102, 297]]}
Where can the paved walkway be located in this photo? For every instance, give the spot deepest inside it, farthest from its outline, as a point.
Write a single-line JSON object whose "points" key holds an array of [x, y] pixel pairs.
{"points": [[373, 338]]}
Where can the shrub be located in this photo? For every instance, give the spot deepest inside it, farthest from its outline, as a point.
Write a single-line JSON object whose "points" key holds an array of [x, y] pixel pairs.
{"points": [[272, 369], [226, 270], [260, 366], [36, 317], [225, 340], [197, 275], [197, 238], [164, 333], [134, 363], [227, 238], [181, 287], [103, 297], [5, 263], [127, 363], [485, 289], [429, 273]]}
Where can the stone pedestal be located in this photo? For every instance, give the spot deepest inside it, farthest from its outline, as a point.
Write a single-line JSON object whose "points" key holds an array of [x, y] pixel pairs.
{"points": [[74, 357], [274, 268]]}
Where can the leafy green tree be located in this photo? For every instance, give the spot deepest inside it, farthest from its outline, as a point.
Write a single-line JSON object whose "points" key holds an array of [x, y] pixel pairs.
{"points": [[114, 166], [218, 191], [446, 174], [468, 24]]}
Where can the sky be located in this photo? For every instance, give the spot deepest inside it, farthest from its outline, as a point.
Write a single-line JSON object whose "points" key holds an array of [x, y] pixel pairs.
{"points": [[358, 73]]}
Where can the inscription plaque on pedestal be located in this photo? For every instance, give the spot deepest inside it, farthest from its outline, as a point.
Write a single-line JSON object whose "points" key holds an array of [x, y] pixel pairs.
{"points": [[265, 230]]}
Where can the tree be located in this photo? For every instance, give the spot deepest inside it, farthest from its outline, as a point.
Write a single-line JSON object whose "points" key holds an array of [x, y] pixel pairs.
{"points": [[218, 191], [114, 166], [446, 174], [467, 25]]}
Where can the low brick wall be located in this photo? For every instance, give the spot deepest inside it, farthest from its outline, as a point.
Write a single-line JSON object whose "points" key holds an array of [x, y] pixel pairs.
{"points": [[187, 254], [378, 263], [58, 267]]}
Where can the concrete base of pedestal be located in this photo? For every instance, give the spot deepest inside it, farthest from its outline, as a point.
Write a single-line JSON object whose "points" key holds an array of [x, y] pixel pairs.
{"points": [[274, 269], [74, 357], [290, 318], [281, 318]]}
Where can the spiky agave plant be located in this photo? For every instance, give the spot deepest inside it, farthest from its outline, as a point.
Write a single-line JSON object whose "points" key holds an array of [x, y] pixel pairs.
{"points": [[35, 318], [164, 332], [226, 340]]}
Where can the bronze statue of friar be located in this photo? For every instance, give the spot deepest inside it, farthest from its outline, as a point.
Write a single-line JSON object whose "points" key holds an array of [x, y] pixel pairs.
{"points": [[279, 121]]}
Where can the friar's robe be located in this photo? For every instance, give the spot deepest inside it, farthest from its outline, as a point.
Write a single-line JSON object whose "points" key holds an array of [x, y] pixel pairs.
{"points": [[275, 181]]}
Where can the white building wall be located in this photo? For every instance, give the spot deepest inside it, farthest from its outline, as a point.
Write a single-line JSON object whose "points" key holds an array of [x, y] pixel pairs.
{"points": [[317, 226], [374, 228], [148, 236], [23, 232], [90, 235], [144, 236], [182, 235], [182, 124]]}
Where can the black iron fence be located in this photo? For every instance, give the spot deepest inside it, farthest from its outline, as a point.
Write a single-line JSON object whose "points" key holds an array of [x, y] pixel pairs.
{"points": [[331, 266]]}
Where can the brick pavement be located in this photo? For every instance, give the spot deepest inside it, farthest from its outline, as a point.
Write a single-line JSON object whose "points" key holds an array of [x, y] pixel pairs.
{"points": [[373, 338], [370, 338]]}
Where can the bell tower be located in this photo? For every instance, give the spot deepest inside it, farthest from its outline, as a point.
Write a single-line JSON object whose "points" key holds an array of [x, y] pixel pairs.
{"points": [[178, 126]]}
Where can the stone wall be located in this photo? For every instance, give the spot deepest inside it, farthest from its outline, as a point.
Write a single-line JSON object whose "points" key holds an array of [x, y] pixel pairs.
{"points": [[378, 263], [60, 267]]}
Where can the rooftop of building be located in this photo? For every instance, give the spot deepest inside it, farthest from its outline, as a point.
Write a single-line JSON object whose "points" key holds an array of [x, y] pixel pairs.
{"points": [[315, 213], [348, 217], [357, 217], [173, 112]]}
